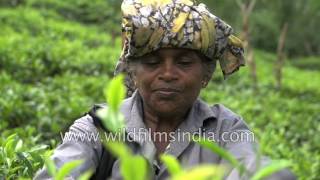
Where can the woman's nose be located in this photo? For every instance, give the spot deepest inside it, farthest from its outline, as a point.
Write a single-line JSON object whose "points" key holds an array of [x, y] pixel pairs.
{"points": [[168, 71]]}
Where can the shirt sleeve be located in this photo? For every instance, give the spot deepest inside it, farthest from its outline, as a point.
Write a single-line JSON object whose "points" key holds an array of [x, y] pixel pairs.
{"points": [[81, 142], [240, 141]]}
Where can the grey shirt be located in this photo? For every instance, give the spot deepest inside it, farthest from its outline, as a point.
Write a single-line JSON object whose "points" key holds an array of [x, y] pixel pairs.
{"points": [[216, 123]]}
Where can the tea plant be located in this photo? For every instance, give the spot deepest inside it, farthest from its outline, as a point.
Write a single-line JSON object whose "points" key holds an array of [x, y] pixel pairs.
{"points": [[16, 160]]}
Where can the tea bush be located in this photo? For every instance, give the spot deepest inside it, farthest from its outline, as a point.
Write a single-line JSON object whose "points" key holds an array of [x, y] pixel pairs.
{"points": [[285, 121], [42, 60], [56, 57], [47, 48]]}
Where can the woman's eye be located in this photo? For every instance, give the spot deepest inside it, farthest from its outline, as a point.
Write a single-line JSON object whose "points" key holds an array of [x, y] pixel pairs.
{"points": [[151, 62], [185, 62]]}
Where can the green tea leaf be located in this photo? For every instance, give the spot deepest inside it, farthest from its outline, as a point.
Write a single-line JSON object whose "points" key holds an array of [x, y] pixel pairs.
{"points": [[86, 176], [9, 147], [115, 92], [114, 121], [67, 168], [26, 162], [50, 166], [131, 167], [36, 157], [119, 149], [220, 151], [48, 153], [38, 148], [172, 164], [270, 169], [12, 136], [202, 172], [9, 162], [18, 146], [134, 168]]}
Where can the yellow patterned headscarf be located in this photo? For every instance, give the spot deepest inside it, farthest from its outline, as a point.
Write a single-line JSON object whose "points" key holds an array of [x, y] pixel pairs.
{"points": [[149, 25]]}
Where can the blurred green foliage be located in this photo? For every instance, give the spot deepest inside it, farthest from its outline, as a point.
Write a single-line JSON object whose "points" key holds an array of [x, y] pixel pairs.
{"points": [[267, 20], [286, 121], [57, 56]]}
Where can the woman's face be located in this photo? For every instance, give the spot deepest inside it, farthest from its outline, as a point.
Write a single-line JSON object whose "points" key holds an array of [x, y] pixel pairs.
{"points": [[169, 80]]}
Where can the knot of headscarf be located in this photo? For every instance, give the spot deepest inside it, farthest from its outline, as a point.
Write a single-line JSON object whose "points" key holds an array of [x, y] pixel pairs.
{"points": [[149, 25]]}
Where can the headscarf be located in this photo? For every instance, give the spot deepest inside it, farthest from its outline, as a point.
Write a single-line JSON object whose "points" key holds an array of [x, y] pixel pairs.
{"points": [[148, 25]]}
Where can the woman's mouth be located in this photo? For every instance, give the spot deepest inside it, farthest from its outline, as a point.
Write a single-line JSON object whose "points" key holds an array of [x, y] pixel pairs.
{"points": [[166, 92]]}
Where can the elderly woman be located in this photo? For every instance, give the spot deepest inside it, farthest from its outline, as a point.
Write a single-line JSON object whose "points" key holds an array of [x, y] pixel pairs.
{"points": [[169, 53]]}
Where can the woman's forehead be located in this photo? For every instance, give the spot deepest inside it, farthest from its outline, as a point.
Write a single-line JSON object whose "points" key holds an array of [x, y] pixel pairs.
{"points": [[173, 52]]}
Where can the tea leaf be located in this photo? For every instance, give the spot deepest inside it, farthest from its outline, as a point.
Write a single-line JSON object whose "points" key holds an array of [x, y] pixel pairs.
{"points": [[134, 168], [13, 136], [18, 146], [36, 157], [202, 172], [115, 92], [85, 176], [9, 147], [51, 168], [67, 168], [131, 167], [114, 121], [220, 151], [38, 148], [119, 149], [270, 169], [172, 164], [26, 162]]}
